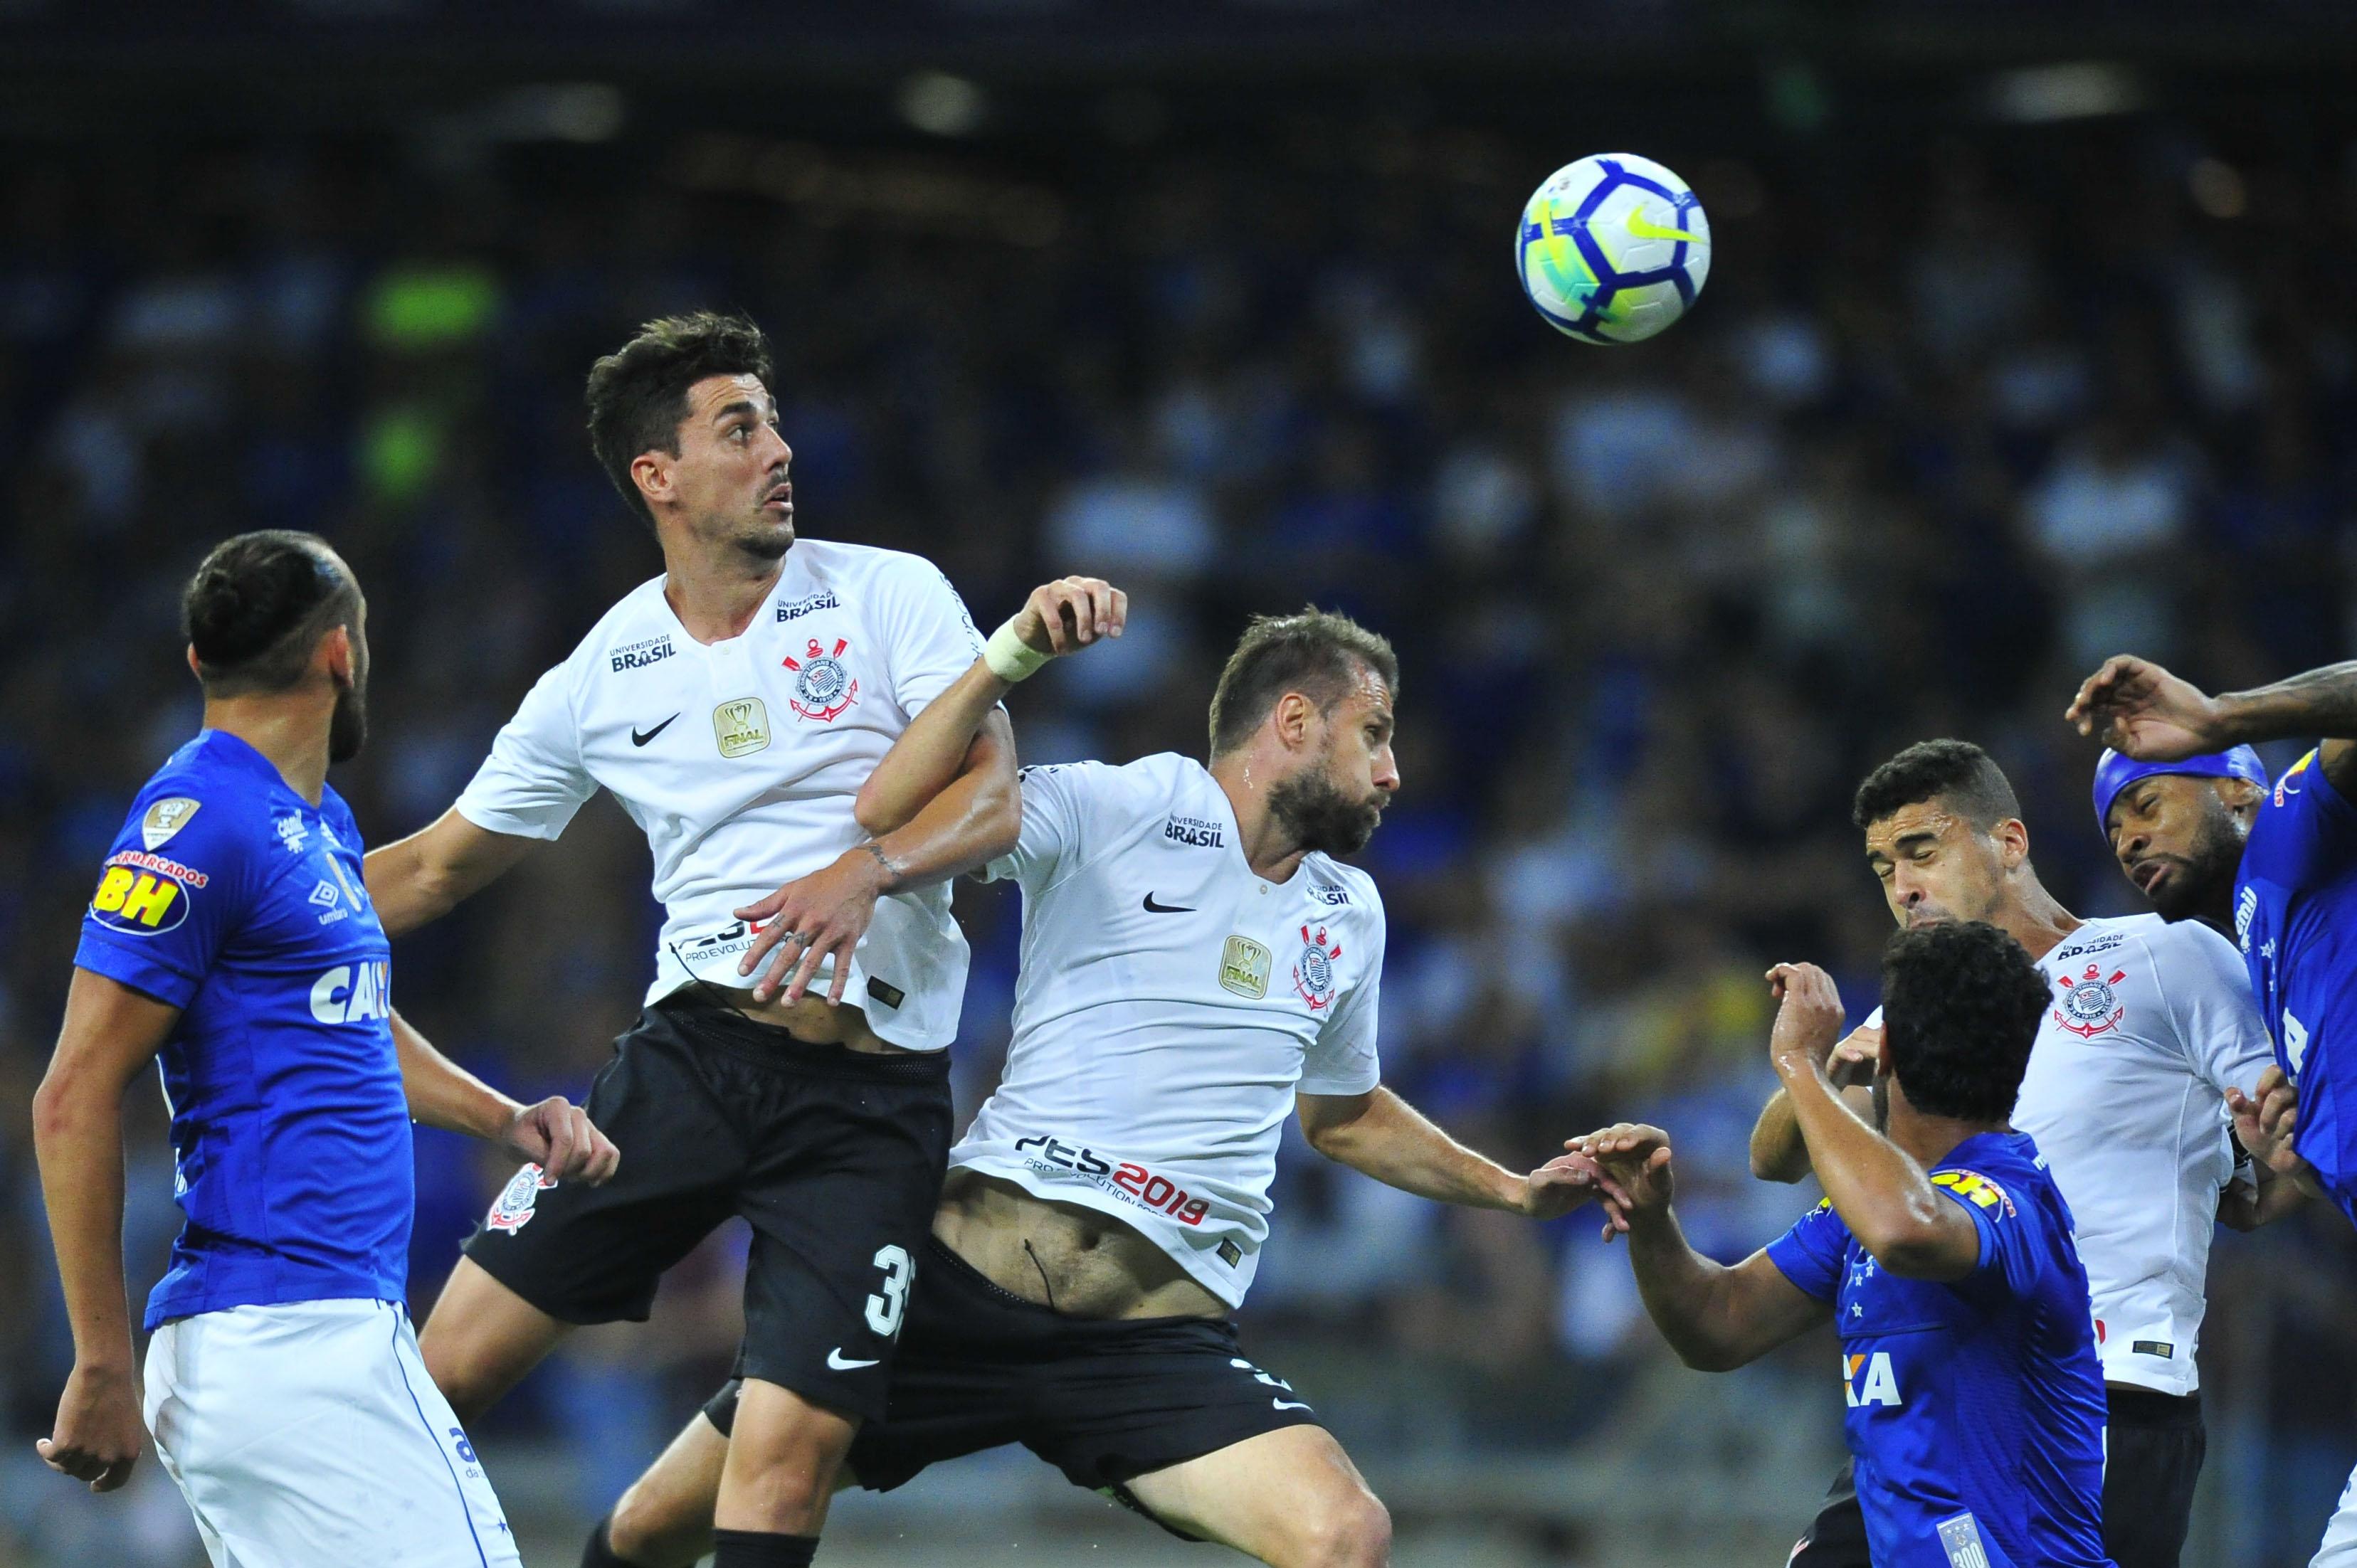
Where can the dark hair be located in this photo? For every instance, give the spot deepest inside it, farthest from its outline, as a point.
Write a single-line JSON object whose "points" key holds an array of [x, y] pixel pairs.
{"points": [[1955, 771], [257, 606], [1316, 653], [638, 394], [1961, 1005]]}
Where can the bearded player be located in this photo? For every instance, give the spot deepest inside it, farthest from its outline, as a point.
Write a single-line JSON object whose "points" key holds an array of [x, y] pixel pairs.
{"points": [[2293, 853], [1195, 964], [789, 1066], [2149, 1036]]}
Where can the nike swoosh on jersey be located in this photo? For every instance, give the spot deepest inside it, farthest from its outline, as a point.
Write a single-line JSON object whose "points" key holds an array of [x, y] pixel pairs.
{"points": [[1289, 1405], [638, 739], [1644, 227], [837, 1362], [1154, 909]]}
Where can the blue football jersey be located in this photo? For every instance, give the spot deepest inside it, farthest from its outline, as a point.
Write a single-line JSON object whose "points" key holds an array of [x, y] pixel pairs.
{"points": [[2296, 917], [1975, 1407], [235, 899]]}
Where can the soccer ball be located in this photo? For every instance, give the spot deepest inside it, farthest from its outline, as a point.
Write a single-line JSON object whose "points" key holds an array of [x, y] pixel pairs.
{"points": [[1612, 249]]}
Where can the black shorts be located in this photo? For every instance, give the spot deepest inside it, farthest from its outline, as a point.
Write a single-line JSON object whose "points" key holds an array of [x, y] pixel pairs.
{"points": [[833, 1157], [1104, 1401], [2153, 1446]]}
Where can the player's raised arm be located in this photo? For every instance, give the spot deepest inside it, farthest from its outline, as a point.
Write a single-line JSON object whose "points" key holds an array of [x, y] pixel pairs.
{"points": [[1716, 1318], [1881, 1193], [2142, 711], [110, 1034], [555, 1135], [1778, 1151], [422, 878], [1382, 1135], [947, 802], [1059, 618]]}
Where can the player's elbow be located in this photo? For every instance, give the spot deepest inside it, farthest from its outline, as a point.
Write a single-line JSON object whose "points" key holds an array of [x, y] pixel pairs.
{"points": [[64, 1106], [1778, 1164], [872, 812]]}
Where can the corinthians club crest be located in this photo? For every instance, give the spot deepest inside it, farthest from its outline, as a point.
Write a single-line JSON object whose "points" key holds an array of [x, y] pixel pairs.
{"points": [[1313, 972], [823, 687], [512, 1210], [2089, 1005]]}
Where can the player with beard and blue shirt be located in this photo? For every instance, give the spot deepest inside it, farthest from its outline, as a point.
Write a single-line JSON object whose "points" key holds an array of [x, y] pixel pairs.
{"points": [[1943, 1255], [2295, 898], [230, 935]]}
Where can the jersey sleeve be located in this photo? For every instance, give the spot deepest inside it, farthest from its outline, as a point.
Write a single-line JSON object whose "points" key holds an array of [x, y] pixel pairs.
{"points": [[1342, 1059], [2206, 988], [2011, 1253], [1813, 1253], [1057, 802], [534, 781], [930, 637], [159, 918]]}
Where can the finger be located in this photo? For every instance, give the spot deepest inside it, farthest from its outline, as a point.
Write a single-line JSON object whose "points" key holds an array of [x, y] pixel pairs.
{"points": [[558, 1128], [1053, 614], [766, 907], [2272, 1080], [607, 1161], [585, 1140], [814, 954], [112, 1476], [781, 964], [1120, 611], [776, 930]]}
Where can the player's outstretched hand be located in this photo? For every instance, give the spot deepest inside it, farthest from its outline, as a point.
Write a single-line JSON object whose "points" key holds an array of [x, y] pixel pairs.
{"points": [[98, 1431], [2140, 710], [1560, 1186], [1070, 613], [2265, 1123], [1632, 1162], [812, 919], [558, 1136], [1809, 1014]]}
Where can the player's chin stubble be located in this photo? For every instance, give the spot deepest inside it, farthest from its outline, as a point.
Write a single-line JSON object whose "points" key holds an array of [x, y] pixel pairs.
{"points": [[1321, 816]]}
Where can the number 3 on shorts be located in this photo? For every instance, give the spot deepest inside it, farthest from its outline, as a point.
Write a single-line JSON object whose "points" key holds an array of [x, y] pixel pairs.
{"points": [[884, 1312]]}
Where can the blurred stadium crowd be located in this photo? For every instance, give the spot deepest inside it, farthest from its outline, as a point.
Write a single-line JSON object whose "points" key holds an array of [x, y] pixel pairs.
{"points": [[1948, 426]]}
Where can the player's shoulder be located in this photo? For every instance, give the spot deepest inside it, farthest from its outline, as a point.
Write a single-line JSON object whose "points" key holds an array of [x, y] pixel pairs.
{"points": [[2107, 933], [1996, 1173], [1344, 887], [209, 801], [1141, 785], [838, 562], [639, 621]]}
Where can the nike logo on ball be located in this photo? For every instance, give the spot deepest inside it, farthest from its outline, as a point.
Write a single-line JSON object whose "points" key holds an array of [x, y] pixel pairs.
{"points": [[837, 1362], [1644, 227], [638, 739], [1154, 909]]}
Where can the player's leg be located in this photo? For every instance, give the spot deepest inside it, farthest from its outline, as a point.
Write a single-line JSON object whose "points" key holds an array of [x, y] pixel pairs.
{"points": [[1837, 1537], [1290, 1498], [549, 1258], [481, 1337], [840, 1192], [2153, 1447], [310, 1433], [665, 1519]]}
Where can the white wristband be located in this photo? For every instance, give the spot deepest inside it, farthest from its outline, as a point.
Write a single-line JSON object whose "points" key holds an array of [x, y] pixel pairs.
{"points": [[1009, 657]]}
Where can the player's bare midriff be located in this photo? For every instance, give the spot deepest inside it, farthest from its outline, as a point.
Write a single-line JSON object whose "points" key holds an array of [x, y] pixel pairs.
{"points": [[813, 1018], [1080, 1262]]}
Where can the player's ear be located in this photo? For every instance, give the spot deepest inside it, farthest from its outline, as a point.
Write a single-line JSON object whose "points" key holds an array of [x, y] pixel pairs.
{"points": [[1292, 717], [195, 667], [335, 655], [2012, 837], [653, 476], [2241, 797]]}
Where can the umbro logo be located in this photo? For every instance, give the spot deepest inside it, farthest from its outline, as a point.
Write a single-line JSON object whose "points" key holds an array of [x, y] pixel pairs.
{"points": [[638, 738], [1154, 909]]}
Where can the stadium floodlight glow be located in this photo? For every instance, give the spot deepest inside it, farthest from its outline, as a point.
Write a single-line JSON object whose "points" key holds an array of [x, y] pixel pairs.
{"points": [[2039, 94], [940, 105]]}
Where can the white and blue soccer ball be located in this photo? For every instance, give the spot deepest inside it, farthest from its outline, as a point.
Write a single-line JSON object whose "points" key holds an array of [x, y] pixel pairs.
{"points": [[1612, 249]]}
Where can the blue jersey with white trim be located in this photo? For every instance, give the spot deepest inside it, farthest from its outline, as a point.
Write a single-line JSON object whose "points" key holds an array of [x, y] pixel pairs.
{"points": [[2295, 918], [232, 897], [1975, 1406]]}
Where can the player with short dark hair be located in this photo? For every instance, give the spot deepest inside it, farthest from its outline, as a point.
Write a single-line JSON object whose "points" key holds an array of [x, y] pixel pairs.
{"points": [[1196, 964], [2151, 1035], [229, 935], [1942, 1253], [789, 1065]]}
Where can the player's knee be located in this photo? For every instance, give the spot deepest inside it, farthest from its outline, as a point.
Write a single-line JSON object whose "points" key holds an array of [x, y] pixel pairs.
{"points": [[650, 1529], [1354, 1530], [463, 1379]]}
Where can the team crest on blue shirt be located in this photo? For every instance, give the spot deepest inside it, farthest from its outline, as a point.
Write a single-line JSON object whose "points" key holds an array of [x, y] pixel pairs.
{"points": [[823, 689], [2089, 1005], [166, 818], [513, 1210], [1313, 972]]}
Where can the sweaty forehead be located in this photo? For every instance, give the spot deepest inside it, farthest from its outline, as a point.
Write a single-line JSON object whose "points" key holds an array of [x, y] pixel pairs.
{"points": [[1927, 819], [1369, 691]]}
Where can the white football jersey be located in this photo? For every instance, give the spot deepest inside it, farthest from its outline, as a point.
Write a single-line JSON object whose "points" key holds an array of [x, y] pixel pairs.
{"points": [[2151, 1023], [741, 760], [1169, 1005]]}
